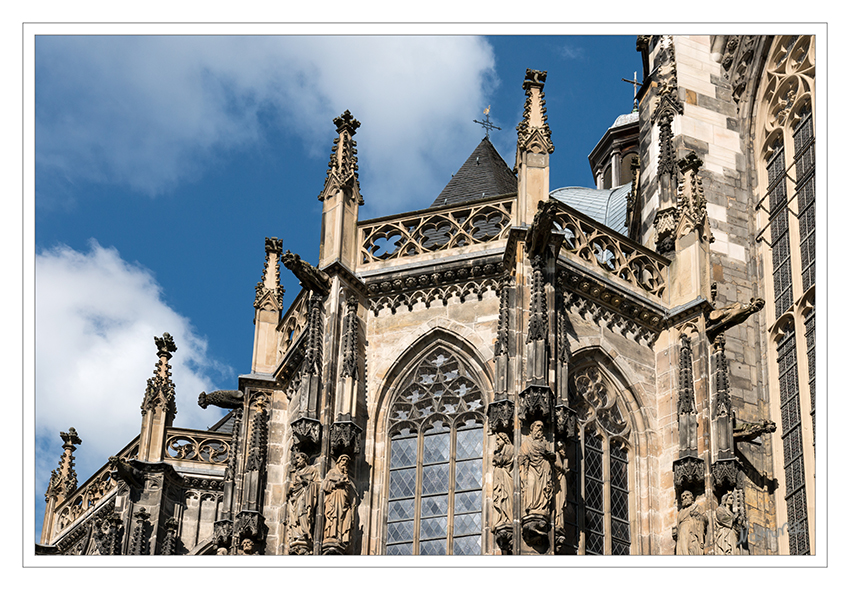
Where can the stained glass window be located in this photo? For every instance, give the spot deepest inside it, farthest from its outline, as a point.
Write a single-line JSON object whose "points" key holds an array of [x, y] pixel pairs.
{"points": [[436, 460]]}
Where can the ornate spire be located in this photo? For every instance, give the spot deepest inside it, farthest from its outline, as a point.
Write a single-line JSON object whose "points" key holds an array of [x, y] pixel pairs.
{"points": [[342, 167], [160, 388], [63, 482], [533, 133], [270, 283]]}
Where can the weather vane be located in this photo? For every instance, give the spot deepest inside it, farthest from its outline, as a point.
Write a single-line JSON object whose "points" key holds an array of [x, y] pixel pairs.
{"points": [[486, 123], [634, 83]]}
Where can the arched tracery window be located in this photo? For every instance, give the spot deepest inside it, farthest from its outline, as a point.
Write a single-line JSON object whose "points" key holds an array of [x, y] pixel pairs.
{"points": [[436, 428], [597, 512]]}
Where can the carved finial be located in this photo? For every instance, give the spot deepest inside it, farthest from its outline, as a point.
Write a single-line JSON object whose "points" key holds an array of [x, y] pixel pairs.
{"points": [[165, 345], [270, 281], [342, 167], [160, 388], [346, 123], [533, 133]]}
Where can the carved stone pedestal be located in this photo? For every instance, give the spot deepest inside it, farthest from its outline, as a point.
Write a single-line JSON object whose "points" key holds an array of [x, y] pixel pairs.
{"points": [[505, 538], [535, 530]]}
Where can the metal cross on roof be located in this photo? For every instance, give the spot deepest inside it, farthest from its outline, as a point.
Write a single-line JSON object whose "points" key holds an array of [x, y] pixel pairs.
{"points": [[486, 123], [635, 83]]}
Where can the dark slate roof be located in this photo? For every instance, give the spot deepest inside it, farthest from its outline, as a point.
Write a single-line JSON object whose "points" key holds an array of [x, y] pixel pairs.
{"points": [[225, 424], [484, 174], [607, 206]]}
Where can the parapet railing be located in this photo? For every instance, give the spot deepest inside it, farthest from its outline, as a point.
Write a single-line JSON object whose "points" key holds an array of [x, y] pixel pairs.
{"points": [[612, 252], [199, 446], [434, 230], [88, 495]]}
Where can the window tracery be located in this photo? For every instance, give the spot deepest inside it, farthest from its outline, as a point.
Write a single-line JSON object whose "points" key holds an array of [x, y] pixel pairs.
{"points": [[597, 511], [788, 171], [436, 427]]}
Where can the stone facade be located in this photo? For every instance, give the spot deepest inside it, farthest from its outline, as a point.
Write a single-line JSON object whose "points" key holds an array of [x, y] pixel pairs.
{"points": [[508, 375]]}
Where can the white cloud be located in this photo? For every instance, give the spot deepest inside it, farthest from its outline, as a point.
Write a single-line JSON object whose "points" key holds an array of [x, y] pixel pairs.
{"points": [[96, 317], [151, 112]]}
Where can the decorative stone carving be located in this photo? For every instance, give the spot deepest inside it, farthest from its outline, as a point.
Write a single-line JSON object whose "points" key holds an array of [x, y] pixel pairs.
{"points": [[729, 521], [267, 284], [169, 541], [307, 431], [249, 524], [565, 422], [720, 320], [140, 540], [723, 413], [533, 132], [310, 277], [350, 340], [345, 436], [724, 474], [665, 223], [159, 392], [126, 472], [503, 492], [500, 415], [540, 230], [686, 406], [689, 532], [223, 398], [342, 167], [749, 431], [248, 546], [107, 534], [340, 500], [535, 403], [301, 504], [538, 321], [689, 472], [535, 470], [222, 535]]}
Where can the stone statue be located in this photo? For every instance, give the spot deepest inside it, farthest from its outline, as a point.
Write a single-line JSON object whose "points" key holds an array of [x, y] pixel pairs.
{"points": [[689, 532], [535, 472], [340, 496], [311, 278], [247, 547], [301, 504], [503, 481], [541, 229], [724, 318], [228, 399], [561, 489], [729, 521]]}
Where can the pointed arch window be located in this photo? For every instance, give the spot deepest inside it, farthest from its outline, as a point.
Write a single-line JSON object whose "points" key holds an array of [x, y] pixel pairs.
{"points": [[597, 512], [436, 428]]}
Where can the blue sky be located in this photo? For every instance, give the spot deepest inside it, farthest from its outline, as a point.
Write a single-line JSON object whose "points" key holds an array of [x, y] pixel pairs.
{"points": [[162, 163]]}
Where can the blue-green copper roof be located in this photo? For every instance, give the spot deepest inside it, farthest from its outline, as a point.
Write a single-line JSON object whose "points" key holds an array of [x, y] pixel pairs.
{"points": [[607, 206]]}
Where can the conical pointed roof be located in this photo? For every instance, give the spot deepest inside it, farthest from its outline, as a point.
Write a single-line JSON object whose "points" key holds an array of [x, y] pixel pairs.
{"points": [[484, 174]]}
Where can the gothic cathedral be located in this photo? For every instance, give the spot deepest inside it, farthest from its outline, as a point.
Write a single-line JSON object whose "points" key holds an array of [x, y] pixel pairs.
{"points": [[627, 369]]}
